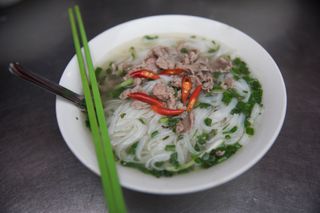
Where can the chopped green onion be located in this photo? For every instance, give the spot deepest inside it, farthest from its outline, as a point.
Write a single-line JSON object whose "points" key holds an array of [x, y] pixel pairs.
{"points": [[229, 94], [132, 149], [153, 134], [209, 159], [159, 163], [214, 48], [216, 75], [98, 71], [232, 130], [125, 83], [170, 148], [169, 122], [151, 37], [132, 51], [203, 105], [250, 131], [142, 121], [165, 138], [174, 159], [122, 115], [208, 121], [184, 50]]}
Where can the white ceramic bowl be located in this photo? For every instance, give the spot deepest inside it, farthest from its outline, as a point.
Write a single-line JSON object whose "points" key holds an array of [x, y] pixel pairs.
{"points": [[260, 63]]}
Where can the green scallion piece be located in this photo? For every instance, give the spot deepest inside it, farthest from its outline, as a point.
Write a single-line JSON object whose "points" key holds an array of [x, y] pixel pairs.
{"points": [[110, 181]]}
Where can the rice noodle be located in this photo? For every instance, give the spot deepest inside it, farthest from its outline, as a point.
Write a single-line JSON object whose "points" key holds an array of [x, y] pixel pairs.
{"points": [[151, 139]]}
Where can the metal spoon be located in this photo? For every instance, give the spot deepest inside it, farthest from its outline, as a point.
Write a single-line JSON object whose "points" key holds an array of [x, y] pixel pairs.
{"points": [[16, 69]]}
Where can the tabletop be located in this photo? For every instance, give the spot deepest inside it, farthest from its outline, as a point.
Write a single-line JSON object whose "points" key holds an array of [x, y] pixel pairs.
{"points": [[38, 173]]}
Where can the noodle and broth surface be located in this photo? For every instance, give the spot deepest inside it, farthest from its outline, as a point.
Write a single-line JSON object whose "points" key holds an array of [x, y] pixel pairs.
{"points": [[221, 120]]}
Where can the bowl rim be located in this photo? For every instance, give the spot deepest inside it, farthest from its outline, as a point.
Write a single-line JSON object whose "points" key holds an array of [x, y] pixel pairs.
{"points": [[208, 185]]}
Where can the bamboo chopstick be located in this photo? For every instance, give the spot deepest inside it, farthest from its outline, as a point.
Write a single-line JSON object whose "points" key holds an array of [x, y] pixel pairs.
{"points": [[110, 181]]}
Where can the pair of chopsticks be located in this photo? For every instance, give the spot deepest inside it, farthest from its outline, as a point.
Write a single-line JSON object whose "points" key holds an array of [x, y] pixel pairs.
{"points": [[110, 181]]}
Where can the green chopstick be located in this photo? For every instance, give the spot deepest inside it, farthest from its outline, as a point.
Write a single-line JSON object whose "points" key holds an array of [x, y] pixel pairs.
{"points": [[110, 181]]}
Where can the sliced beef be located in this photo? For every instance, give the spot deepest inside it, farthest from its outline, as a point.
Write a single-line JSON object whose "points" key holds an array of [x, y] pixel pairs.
{"points": [[166, 57], [186, 123], [222, 64], [195, 80], [149, 63], [189, 54], [176, 81], [124, 94], [190, 57], [202, 64], [161, 91], [172, 102], [193, 55], [228, 83], [165, 93], [139, 105], [207, 81]]}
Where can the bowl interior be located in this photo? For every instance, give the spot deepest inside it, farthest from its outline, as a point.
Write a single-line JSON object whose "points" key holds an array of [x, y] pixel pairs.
{"points": [[77, 136]]}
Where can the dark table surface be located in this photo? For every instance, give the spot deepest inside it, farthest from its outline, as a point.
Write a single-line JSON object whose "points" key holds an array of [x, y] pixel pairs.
{"points": [[38, 173]]}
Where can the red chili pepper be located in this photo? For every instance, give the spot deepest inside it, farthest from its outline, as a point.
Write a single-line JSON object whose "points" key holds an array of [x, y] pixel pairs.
{"points": [[172, 72], [145, 98], [194, 98], [186, 86], [144, 74], [165, 111]]}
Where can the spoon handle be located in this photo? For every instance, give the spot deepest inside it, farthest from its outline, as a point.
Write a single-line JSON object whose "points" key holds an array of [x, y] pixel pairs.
{"points": [[16, 69]]}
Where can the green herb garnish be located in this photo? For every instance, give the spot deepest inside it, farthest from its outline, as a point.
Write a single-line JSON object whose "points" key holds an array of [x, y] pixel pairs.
{"points": [[151, 37], [120, 72], [214, 48], [132, 149], [203, 105], [159, 163], [153, 134], [184, 50], [250, 131], [170, 148], [109, 69], [98, 71], [208, 121], [132, 52], [165, 138], [169, 122], [124, 84], [174, 159], [142, 121], [216, 74], [239, 67], [209, 159], [122, 115], [232, 130], [229, 94]]}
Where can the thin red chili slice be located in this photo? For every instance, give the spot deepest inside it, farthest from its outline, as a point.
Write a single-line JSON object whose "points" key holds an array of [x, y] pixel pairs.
{"points": [[145, 74], [194, 98], [145, 98], [186, 86], [172, 72], [166, 111]]}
